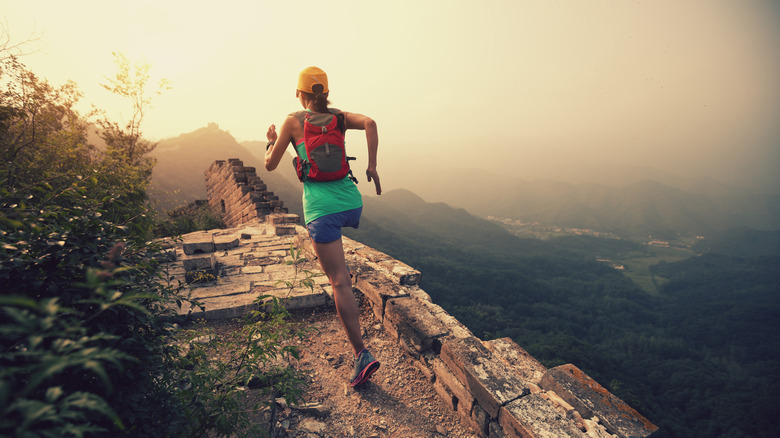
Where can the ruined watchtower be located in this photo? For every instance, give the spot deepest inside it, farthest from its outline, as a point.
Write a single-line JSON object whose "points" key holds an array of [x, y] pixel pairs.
{"points": [[238, 194]]}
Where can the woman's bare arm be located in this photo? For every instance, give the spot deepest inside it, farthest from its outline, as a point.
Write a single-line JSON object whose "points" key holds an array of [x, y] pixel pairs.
{"points": [[359, 121], [274, 154]]}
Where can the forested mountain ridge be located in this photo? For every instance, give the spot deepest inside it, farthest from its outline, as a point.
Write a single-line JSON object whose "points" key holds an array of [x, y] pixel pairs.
{"points": [[640, 208], [699, 357]]}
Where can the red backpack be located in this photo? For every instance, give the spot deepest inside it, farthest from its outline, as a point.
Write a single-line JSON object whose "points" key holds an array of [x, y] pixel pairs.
{"points": [[323, 136]]}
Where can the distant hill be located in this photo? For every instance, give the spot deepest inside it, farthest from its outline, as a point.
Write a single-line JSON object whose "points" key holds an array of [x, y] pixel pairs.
{"points": [[178, 177], [742, 242], [429, 222], [639, 209], [402, 223]]}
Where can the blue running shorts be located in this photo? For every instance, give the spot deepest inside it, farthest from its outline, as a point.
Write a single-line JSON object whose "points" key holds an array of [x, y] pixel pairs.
{"points": [[328, 228]]}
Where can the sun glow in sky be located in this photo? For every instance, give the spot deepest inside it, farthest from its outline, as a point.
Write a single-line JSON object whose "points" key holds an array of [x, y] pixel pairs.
{"points": [[537, 88]]}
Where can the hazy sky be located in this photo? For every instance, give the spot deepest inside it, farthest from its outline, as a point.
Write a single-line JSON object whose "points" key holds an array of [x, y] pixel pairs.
{"points": [[538, 88]]}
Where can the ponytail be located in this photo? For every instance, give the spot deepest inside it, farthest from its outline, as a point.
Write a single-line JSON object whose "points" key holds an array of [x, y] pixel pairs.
{"points": [[320, 100]]}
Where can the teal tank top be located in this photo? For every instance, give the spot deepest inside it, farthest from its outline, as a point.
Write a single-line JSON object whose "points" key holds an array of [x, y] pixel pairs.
{"points": [[323, 198]]}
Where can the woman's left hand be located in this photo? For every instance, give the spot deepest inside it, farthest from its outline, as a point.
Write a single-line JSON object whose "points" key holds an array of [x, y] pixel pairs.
{"points": [[373, 175]]}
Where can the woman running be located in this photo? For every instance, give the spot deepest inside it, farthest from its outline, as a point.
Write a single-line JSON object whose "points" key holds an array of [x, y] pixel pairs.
{"points": [[330, 205]]}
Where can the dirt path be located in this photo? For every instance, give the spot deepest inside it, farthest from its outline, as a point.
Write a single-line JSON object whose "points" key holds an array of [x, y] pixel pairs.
{"points": [[398, 401]]}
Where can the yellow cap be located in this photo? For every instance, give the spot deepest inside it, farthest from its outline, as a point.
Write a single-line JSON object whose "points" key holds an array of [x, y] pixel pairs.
{"points": [[310, 76]]}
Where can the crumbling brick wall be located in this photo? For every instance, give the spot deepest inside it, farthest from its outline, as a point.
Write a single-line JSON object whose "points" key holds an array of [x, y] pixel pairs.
{"points": [[238, 194]]}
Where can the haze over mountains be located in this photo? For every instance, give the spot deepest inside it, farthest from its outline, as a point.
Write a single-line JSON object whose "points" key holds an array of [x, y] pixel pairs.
{"points": [[641, 208]]}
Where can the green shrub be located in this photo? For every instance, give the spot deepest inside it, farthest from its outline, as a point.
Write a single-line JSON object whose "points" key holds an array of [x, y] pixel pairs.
{"points": [[197, 216], [83, 338], [225, 382]]}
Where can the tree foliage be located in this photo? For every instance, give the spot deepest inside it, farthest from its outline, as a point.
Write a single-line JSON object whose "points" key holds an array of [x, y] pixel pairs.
{"points": [[88, 345], [130, 82], [40, 132], [82, 343]]}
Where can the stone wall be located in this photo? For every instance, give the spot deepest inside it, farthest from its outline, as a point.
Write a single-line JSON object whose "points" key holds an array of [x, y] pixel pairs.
{"points": [[238, 194]]}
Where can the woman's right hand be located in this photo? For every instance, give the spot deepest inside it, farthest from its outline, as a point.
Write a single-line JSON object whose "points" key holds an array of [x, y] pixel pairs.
{"points": [[271, 134]]}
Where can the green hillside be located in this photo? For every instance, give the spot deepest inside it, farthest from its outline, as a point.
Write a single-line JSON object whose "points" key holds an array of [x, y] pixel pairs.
{"points": [[698, 357]]}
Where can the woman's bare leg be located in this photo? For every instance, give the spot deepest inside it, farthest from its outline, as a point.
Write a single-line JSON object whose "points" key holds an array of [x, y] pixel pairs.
{"points": [[331, 256]]}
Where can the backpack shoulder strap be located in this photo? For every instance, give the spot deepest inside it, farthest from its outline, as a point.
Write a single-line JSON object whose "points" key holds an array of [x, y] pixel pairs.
{"points": [[300, 116], [342, 121]]}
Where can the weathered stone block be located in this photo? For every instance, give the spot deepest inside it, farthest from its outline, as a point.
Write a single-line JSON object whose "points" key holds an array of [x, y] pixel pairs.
{"points": [[488, 380], [280, 272], [220, 290], [299, 298], [251, 269], [199, 263], [283, 230], [446, 378], [255, 232], [371, 254], [591, 399], [303, 242], [223, 243], [199, 247], [406, 275], [413, 323], [526, 366], [174, 271], [280, 219], [378, 290], [445, 395], [533, 416], [419, 294], [455, 327]]}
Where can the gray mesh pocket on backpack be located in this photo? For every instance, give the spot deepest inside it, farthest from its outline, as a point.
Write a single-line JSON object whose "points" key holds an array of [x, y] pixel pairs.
{"points": [[328, 157]]}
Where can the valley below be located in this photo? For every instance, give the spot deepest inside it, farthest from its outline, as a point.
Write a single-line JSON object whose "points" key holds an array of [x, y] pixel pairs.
{"points": [[634, 264]]}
